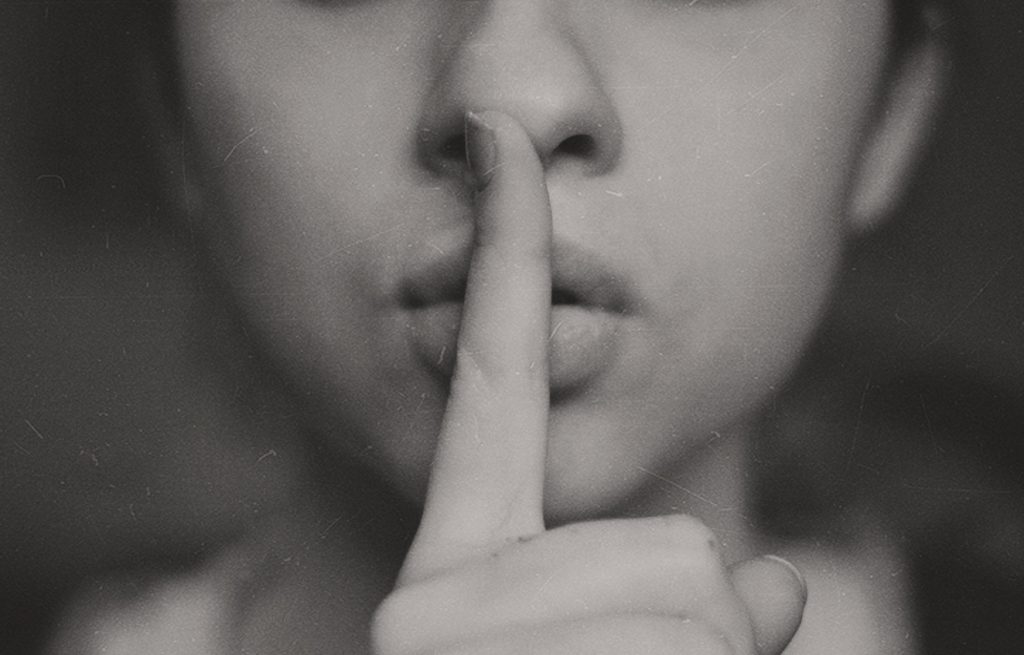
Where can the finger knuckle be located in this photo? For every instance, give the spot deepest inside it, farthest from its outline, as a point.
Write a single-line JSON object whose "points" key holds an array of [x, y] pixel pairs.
{"points": [[689, 531], [690, 553], [690, 537], [476, 365], [492, 375]]}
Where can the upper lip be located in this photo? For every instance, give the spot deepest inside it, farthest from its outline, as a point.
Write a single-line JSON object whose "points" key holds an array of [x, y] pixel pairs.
{"points": [[578, 277]]}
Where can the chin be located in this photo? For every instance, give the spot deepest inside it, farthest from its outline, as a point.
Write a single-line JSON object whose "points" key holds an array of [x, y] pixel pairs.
{"points": [[596, 474], [587, 477], [572, 499], [605, 489]]}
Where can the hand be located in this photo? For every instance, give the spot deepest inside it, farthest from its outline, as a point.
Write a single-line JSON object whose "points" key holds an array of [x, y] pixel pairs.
{"points": [[483, 576]]}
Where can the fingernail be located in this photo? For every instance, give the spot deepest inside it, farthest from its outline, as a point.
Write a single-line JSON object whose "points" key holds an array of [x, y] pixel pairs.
{"points": [[792, 568], [481, 150]]}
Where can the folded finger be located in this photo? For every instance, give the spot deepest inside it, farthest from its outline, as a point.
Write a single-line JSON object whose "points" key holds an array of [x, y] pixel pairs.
{"points": [[665, 565], [606, 635]]}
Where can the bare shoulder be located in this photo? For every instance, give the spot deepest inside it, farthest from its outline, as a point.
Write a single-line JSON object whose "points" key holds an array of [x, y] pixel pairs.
{"points": [[859, 599], [186, 615]]}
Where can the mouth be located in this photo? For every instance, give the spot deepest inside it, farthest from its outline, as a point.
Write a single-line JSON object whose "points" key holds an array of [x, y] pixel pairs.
{"points": [[577, 278], [589, 305]]}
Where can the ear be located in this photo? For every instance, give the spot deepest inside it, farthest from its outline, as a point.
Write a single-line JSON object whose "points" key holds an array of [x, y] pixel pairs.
{"points": [[900, 127]]}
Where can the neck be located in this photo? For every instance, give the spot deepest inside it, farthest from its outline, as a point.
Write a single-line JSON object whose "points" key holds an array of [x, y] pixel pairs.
{"points": [[334, 555], [348, 534]]}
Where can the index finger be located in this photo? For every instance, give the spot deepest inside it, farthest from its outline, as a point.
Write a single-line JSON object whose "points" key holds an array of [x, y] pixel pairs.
{"points": [[486, 485]]}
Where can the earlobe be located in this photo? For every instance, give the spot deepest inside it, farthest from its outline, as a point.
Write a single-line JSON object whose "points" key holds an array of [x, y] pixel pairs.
{"points": [[899, 130]]}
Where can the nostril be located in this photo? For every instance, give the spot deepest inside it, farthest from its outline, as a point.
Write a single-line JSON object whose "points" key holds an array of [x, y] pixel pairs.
{"points": [[453, 149], [580, 146], [446, 154], [563, 297]]}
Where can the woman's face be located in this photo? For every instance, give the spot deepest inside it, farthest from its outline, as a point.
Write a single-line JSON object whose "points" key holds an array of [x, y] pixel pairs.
{"points": [[699, 156]]}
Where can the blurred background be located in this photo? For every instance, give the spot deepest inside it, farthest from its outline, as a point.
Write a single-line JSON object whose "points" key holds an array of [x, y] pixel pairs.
{"points": [[117, 442]]}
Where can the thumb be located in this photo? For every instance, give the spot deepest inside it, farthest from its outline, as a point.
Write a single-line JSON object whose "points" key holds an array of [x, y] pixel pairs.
{"points": [[774, 593]]}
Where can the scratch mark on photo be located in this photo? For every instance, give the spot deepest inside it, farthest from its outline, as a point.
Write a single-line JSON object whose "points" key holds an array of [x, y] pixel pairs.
{"points": [[235, 147], [33, 428]]}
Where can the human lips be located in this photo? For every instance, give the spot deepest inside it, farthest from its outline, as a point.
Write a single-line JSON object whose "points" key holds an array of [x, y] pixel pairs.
{"points": [[590, 301]]}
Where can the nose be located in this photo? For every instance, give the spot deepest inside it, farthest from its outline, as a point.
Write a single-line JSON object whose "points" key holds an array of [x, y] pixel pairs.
{"points": [[520, 57]]}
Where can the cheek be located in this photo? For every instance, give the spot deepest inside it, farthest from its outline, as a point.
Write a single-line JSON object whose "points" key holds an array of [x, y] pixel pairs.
{"points": [[302, 121], [745, 268], [294, 157], [749, 174], [309, 214]]}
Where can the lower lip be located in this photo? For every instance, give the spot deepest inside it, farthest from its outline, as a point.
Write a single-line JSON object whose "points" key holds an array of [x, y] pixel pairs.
{"points": [[582, 346]]}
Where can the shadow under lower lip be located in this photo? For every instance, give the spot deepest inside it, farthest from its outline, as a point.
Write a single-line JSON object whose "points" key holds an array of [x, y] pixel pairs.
{"points": [[583, 343]]}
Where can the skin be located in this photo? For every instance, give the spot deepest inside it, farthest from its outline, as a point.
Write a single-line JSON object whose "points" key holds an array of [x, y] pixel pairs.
{"points": [[710, 155], [309, 120], [611, 586]]}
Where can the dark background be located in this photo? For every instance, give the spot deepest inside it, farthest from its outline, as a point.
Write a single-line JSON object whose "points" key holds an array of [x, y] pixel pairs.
{"points": [[115, 440]]}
